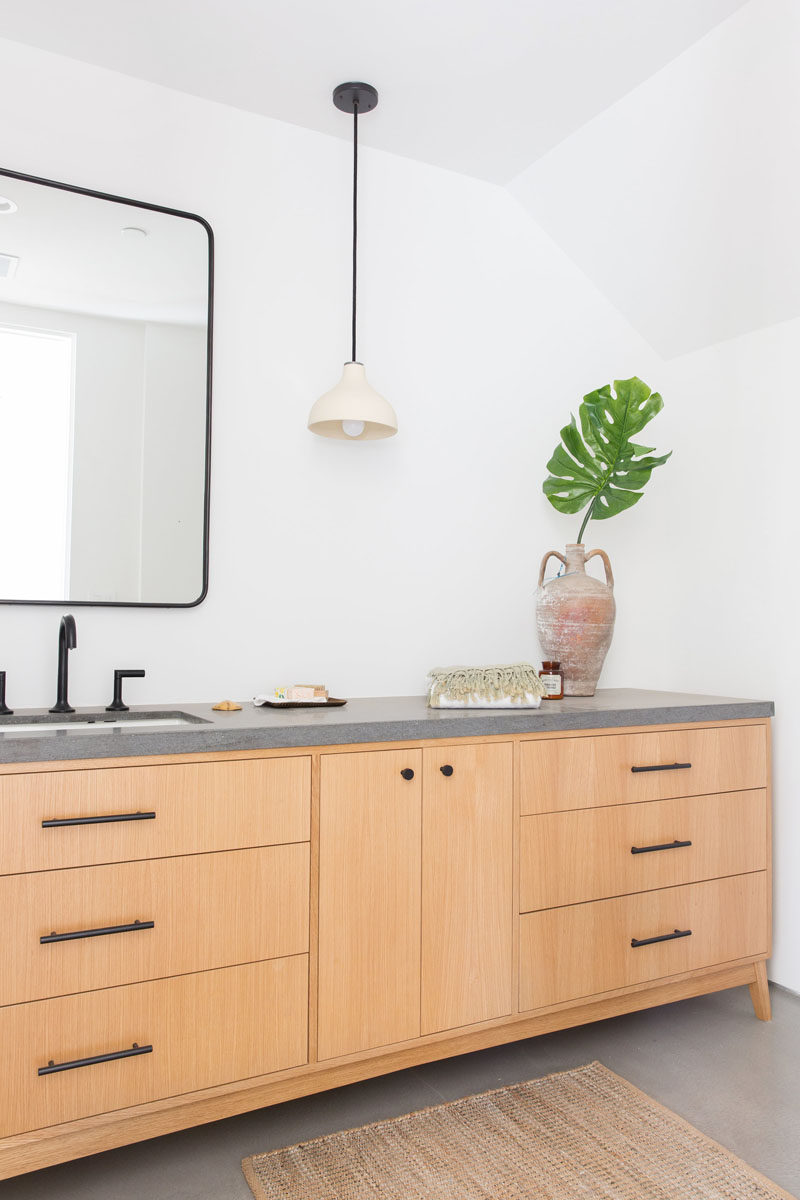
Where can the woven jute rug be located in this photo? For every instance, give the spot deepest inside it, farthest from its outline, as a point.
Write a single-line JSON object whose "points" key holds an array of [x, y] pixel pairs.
{"points": [[584, 1134]]}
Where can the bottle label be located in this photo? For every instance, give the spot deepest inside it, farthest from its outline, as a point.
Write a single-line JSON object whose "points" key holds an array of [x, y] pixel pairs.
{"points": [[552, 684]]}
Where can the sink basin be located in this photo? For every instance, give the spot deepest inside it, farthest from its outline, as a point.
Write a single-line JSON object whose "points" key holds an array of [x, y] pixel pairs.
{"points": [[96, 722]]}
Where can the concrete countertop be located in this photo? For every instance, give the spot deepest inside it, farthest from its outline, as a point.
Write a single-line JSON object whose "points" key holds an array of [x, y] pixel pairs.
{"points": [[371, 719]]}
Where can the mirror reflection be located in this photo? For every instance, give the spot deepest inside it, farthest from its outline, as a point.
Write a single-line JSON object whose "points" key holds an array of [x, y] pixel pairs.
{"points": [[104, 329]]}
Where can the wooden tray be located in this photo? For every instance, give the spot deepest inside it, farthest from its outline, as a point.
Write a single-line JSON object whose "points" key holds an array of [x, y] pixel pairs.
{"points": [[329, 703]]}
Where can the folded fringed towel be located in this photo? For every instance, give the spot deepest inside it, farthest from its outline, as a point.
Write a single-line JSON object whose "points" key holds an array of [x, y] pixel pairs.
{"points": [[516, 685]]}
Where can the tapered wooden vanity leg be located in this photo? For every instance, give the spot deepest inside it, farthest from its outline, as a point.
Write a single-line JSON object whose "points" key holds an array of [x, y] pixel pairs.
{"points": [[759, 993]]}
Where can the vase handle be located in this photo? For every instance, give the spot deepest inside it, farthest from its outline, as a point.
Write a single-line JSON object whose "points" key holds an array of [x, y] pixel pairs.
{"points": [[550, 554], [606, 564]]}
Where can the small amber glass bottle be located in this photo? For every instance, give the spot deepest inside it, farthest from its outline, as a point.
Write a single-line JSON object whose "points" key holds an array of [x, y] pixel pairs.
{"points": [[553, 680]]}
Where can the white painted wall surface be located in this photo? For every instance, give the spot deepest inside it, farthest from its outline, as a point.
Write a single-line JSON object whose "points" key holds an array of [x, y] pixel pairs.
{"points": [[364, 565], [680, 202]]}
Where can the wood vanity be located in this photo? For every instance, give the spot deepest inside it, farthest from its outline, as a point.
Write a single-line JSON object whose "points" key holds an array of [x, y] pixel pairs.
{"points": [[190, 936]]}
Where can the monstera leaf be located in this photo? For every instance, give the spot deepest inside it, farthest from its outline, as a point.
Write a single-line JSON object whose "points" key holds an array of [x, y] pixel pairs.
{"points": [[598, 464]]}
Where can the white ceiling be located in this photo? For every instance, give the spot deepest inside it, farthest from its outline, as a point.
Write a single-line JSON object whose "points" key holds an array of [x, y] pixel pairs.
{"points": [[681, 201], [74, 257], [484, 87]]}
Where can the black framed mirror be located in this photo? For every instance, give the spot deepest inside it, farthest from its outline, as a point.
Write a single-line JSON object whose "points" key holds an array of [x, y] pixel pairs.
{"points": [[105, 398]]}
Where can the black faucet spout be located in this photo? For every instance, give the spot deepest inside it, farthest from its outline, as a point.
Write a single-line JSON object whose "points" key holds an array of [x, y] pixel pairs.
{"points": [[67, 640]]}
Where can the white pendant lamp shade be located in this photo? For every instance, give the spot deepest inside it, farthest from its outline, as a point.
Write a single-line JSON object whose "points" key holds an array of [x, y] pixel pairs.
{"points": [[353, 410]]}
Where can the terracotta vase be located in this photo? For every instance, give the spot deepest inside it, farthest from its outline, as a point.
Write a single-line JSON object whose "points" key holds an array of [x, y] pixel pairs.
{"points": [[575, 618]]}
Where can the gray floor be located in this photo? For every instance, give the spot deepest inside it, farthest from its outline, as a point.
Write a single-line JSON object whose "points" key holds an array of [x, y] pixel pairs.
{"points": [[708, 1059]]}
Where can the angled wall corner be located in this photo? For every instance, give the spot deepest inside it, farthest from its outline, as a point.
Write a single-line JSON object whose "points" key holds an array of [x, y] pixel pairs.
{"points": [[679, 201]]}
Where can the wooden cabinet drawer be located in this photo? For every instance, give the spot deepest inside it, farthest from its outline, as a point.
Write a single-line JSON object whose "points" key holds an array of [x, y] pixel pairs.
{"points": [[208, 910], [585, 772], [204, 1030], [585, 949], [156, 811], [570, 857]]}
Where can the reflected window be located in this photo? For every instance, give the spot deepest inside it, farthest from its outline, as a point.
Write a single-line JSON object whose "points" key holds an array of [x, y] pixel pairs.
{"points": [[37, 397]]}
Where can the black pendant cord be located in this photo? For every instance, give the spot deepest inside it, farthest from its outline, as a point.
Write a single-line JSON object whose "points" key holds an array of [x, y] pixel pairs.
{"points": [[355, 222]]}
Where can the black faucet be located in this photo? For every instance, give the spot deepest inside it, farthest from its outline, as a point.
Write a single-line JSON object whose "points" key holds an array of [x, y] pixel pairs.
{"points": [[67, 640]]}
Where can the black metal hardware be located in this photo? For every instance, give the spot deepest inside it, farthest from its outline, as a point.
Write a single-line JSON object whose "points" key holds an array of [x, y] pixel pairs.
{"points": [[53, 1068], [5, 711], [354, 98], [117, 704], [67, 640], [87, 933], [407, 773], [105, 820], [664, 767], [665, 937], [446, 770], [664, 846]]}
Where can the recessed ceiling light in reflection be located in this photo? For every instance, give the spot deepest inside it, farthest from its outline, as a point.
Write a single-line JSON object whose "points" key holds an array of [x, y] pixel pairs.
{"points": [[6, 205], [134, 232]]}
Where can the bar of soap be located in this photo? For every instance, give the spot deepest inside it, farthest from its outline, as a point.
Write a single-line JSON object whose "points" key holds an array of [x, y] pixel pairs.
{"points": [[227, 706]]}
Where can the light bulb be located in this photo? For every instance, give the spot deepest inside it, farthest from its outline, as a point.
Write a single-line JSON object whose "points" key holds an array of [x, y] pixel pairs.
{"points": [[353, 428]]}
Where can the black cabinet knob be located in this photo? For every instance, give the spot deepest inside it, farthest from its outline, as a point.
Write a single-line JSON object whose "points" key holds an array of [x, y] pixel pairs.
{"points": [[446, 769], [407, 773]]}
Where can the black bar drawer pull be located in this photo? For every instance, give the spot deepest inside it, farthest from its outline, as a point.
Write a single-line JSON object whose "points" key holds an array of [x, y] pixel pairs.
{"points": [[137, 816], [664, 846], [53, 1068], [663, 767], [87, 933], [665, 937]]}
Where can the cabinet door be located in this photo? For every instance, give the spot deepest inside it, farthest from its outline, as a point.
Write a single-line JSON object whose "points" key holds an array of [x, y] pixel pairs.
{"points": [[369, 900], [467, 900]]}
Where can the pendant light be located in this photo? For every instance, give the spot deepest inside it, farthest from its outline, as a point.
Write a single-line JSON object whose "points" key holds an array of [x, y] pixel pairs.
{"points": [[353, 411]]}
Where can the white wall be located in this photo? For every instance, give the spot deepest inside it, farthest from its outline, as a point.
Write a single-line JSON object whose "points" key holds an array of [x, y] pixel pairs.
{"points": [[680, 202], [364, 565]]}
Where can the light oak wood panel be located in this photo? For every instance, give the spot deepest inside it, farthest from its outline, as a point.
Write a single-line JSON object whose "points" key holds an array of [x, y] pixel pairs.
{"points": [[759, 993], [370, 825], [209, 910], [205, 1030], [585, 949], [567, 773], [30, 1151], [198, 806], [467, 900], [571, 857]]}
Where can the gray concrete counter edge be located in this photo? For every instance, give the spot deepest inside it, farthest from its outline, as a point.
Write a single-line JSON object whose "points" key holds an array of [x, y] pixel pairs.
{"points": [[371, 719]]}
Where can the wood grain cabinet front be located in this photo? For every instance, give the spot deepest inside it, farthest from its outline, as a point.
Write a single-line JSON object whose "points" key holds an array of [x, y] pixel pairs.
{"points": [[467, 898], [416, 901], [369, 899], [189, 940], [587, 949], [94, 927], [92, 1053], [584, 772], [589, 854], [78, 818]]}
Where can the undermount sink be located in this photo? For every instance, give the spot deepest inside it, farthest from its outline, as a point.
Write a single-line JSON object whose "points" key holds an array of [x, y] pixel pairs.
{"points": [[96, 722]]}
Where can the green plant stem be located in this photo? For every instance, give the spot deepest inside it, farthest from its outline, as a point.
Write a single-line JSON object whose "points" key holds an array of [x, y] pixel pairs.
{"points": [[586, 521]]}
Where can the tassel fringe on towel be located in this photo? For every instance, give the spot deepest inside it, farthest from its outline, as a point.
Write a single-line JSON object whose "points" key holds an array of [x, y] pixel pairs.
{"points": [[514, 684]]}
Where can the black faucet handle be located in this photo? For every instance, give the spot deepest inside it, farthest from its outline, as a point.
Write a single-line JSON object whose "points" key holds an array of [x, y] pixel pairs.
{"points": [[5, 711], [117, 704]]}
